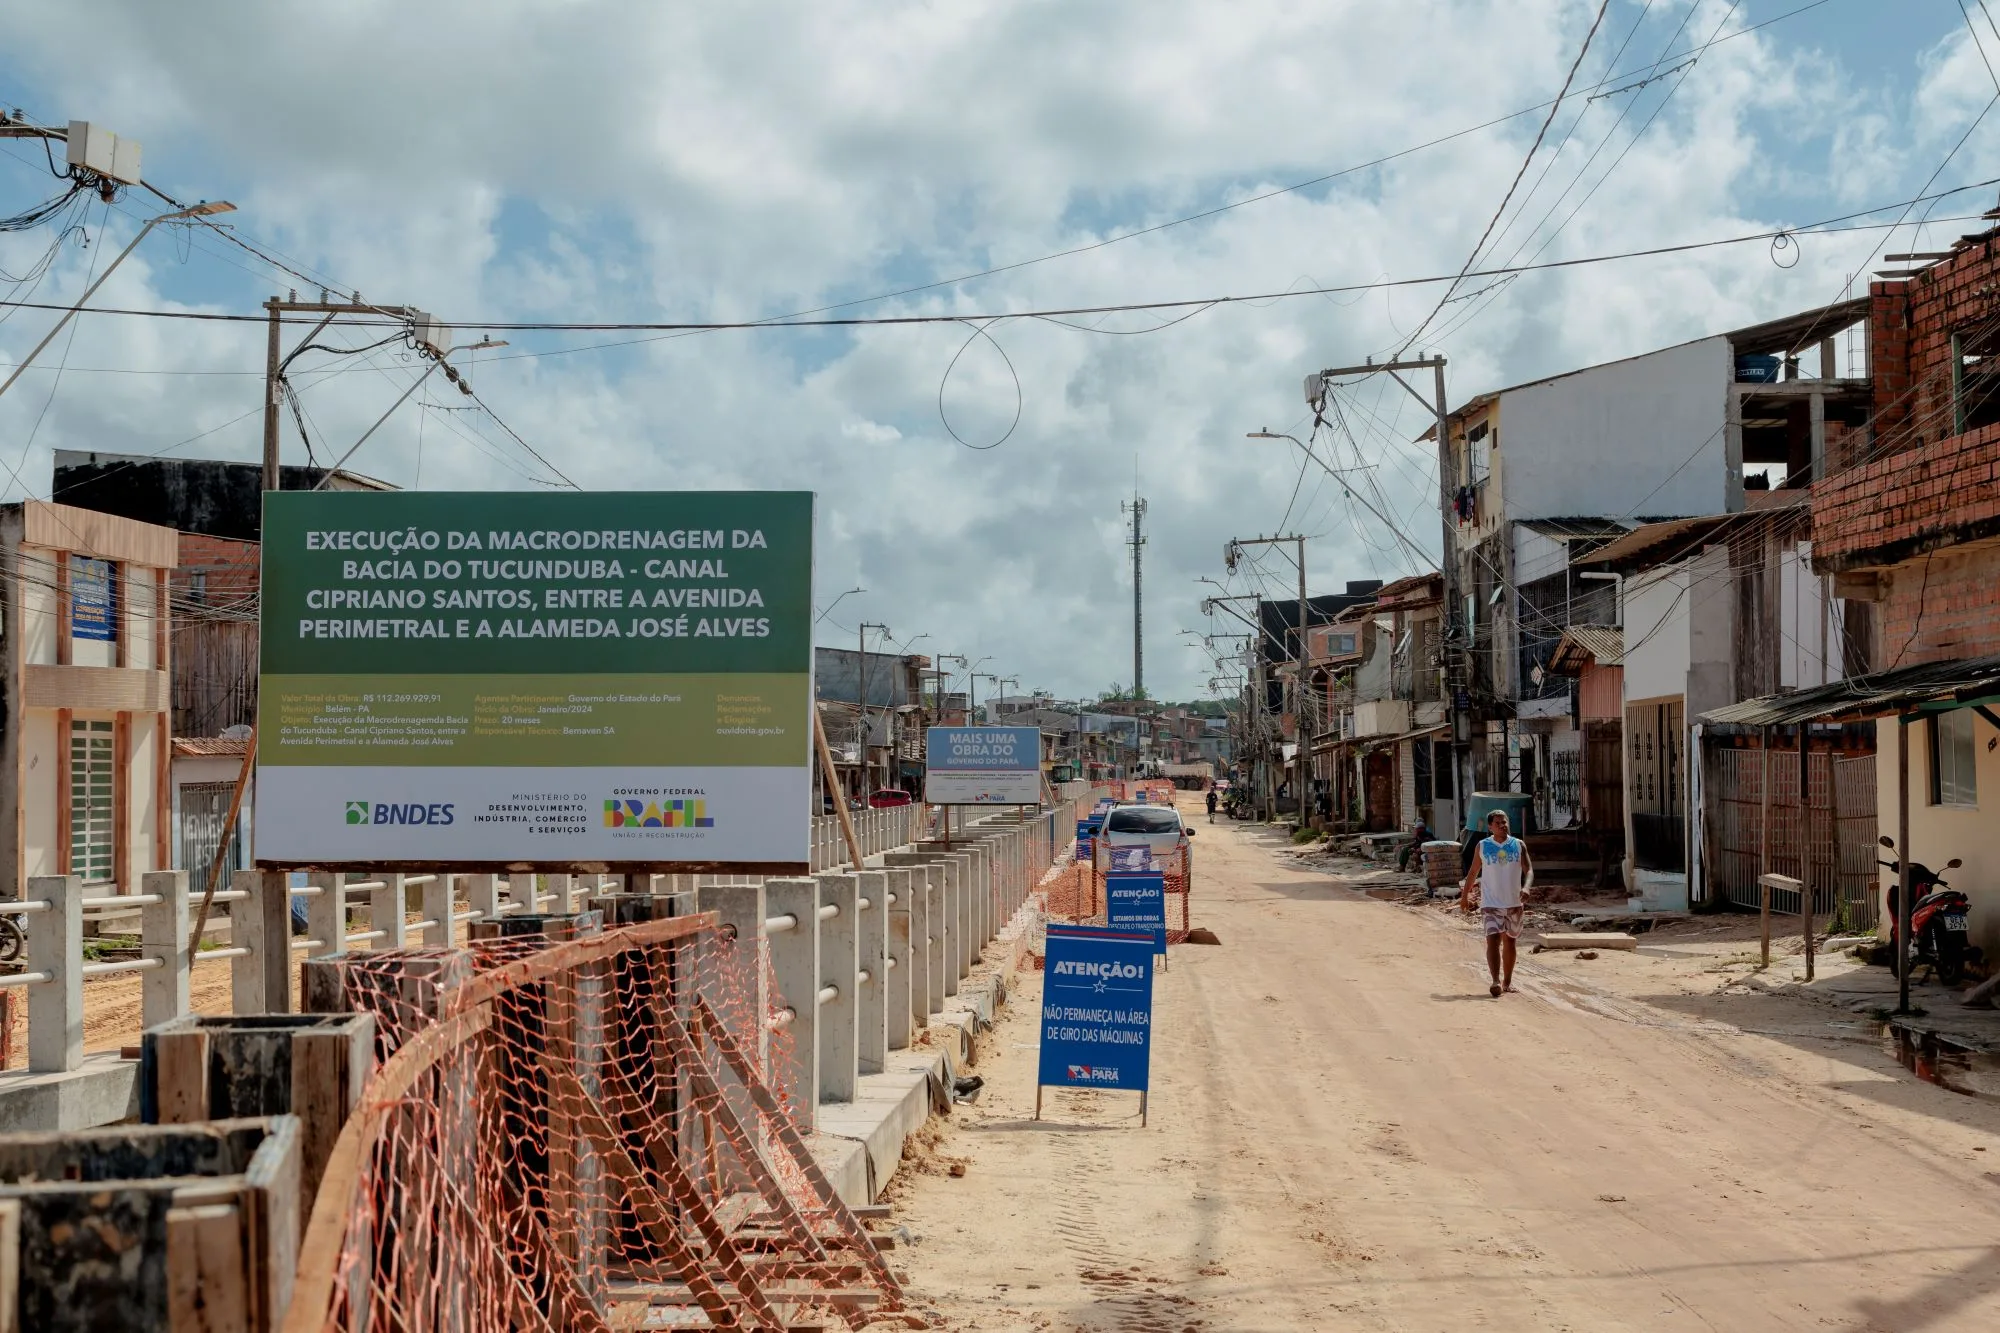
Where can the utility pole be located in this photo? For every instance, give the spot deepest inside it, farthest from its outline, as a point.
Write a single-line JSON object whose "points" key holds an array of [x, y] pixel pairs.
{"points": [[1137, 541], [861, 697], [1231, 554], [1457, 645], [426, 331]]}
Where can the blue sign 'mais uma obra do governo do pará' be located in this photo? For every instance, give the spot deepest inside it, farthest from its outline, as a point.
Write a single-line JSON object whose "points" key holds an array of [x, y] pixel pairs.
{"points": [[983, 765]]}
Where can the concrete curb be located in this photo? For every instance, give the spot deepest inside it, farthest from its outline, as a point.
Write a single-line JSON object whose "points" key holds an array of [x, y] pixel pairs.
{"points": [[860, 1143]]}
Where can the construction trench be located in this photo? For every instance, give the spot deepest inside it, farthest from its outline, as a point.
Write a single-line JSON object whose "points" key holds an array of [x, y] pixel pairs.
{"points": [[667, 1110]]}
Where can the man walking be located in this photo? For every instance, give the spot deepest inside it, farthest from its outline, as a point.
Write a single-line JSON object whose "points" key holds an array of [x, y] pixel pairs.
{"points": [[1211, 804], [1503, 876]]}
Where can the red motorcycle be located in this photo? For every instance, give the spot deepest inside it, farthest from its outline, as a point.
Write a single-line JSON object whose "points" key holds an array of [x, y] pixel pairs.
{"points": [[1937, 918]]}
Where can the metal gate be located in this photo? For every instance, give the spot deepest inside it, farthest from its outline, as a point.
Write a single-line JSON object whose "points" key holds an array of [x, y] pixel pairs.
{"points": [[204, 813], [1840, 830]]}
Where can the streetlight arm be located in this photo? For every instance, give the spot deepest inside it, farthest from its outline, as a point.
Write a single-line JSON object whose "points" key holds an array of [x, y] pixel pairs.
{"points": [[199, 210]]}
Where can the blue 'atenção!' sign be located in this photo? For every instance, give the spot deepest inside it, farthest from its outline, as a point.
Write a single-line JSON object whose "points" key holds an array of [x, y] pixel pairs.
{"points": [[983, 749], [1097, 1008], [1138, 902]]}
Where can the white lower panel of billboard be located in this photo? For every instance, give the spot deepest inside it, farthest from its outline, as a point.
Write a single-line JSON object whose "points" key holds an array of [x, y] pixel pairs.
{"points": [[365, 816], [1008, 788]]}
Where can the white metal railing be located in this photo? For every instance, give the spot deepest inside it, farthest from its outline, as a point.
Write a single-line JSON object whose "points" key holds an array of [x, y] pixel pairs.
{"points": [[878, 950]]}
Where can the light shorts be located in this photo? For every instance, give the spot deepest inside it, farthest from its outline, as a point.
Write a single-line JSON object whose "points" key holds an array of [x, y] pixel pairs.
{"points": [[1504, 920]]}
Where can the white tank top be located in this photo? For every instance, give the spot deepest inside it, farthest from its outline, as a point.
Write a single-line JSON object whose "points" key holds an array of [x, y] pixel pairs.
{"points": [[1500, 872]]}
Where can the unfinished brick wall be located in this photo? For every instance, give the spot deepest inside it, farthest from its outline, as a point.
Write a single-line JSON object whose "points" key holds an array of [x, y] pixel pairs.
{"points": [[215, 635], [1940, 606], [1905, 504], [229, 569], [1909, 485]]}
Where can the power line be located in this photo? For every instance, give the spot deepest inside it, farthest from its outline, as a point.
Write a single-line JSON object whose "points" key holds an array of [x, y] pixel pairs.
{"points": [[1828, 226]]}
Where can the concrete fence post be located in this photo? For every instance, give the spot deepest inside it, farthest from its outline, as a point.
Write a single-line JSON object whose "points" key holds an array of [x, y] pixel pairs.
{"points": [[440, 904], [260, 923], [163, 935], [839, 1010], [871, 997], [55, 947], [740, 911], [482, 895], [898, 1009], [388, 912], [521, 894], [326, 913], [795, 972], [926, 943], [561, 888]]}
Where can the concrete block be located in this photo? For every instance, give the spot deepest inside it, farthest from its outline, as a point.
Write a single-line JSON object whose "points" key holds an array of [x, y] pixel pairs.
{"points": [[839, 1011], [871, 996], [102, 1090], [795, 972], [1595, 939]]}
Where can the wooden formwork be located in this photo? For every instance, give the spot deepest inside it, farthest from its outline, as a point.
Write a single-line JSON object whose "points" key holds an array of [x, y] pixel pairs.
{"points": [[150, 1229], [313, 1066]]}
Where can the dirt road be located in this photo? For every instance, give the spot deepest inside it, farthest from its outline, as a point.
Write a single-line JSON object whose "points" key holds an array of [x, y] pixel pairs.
{"points": [[1347, 1132]]}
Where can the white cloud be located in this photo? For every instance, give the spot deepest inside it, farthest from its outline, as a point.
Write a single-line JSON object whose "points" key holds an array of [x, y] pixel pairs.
{"points": [[606, 160]]}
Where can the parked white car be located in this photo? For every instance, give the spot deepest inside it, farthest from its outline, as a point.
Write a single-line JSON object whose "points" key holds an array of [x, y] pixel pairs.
{"points": [[1158, 828]]}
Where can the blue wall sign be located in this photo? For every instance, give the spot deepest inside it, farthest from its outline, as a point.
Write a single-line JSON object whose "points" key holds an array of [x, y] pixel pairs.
{"points": [[1097, 1008], [93, 599], [1137, 902]]}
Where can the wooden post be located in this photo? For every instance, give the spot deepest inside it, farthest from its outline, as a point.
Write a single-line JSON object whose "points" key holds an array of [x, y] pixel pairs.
{"points": [[1805, 842], [831, 779], [1764, 846]]}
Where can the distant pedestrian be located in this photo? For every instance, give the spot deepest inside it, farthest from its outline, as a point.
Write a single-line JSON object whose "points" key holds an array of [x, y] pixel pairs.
{"points": [[1502, 875], [1211, 805]]}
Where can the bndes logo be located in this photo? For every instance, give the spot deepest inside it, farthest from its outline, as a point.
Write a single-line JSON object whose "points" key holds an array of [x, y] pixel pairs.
{"points": [[391, 812], [1072, 968]]}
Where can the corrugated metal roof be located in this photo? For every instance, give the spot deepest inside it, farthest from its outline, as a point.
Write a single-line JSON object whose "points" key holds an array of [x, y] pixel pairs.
{"points": [[1678, 538], [1581, 645], [1580, 526], [1860, 697], [210, 746]]}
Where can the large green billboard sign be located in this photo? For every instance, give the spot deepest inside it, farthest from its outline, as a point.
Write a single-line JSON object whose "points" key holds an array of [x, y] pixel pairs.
{"points": [[517, 680]]}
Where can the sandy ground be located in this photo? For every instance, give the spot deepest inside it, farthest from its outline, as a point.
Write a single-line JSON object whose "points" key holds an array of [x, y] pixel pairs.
{"points": [[1347, 1132]]}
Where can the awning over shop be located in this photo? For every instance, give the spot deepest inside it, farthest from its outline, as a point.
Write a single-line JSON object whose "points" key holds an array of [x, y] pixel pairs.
{"points": [[1930, 687], [1373, 743]]}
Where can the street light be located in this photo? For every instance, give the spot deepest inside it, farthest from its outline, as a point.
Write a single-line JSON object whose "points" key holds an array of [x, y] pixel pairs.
{"points": [[480, 346], [836, 602], [205, 209]]}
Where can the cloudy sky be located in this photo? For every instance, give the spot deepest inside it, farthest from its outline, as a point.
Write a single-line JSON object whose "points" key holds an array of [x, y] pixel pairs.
{"points": [[613, 160]]}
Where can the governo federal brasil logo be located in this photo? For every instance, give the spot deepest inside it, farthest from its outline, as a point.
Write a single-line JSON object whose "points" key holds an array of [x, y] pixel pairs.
{"points": [[399, 812], [683, 813]]}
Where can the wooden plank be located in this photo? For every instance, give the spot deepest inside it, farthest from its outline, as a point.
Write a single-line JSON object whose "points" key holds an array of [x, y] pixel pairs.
{"points": [[95, 689], [207, 1278], [329, 1065], [1607, 939], [101, 536], [180, 1065]]}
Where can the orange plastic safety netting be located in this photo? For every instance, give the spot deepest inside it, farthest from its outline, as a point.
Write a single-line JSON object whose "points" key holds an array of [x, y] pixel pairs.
{"points": [[573, 1129]]}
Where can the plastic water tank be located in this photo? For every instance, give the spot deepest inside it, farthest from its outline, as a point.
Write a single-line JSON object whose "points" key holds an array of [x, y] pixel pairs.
{"points": [[1513, 804]]}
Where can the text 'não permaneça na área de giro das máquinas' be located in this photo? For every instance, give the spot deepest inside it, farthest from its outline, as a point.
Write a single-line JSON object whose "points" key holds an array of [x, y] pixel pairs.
{"points": [[623, 583]]}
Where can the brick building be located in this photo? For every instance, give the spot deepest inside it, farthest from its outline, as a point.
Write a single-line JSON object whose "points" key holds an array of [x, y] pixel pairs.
{"points": [[1906, 522]]}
